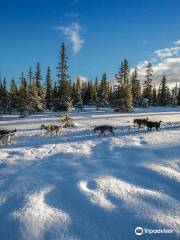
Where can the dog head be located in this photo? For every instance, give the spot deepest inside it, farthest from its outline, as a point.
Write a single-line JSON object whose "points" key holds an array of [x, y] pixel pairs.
{"points": [[42, 126], [95, 129]]}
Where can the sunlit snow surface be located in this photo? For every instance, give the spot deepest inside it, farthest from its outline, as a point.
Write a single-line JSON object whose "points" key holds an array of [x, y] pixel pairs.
{"points": [[81, 186]]}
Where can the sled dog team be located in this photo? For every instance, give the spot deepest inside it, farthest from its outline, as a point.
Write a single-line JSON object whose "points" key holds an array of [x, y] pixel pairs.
{"points": [[140, 122], [105, 128], [6, 136]]}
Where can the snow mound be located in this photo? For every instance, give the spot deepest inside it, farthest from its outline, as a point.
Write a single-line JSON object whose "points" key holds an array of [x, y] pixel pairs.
{"points": [[138, 200], [37, 218]]}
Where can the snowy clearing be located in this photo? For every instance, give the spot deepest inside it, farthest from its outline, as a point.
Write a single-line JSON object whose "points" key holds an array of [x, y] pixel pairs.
{"points": [[78, 186]]}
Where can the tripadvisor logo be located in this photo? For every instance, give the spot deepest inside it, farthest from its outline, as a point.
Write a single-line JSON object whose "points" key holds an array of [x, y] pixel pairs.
{"points": [[139, 231]]}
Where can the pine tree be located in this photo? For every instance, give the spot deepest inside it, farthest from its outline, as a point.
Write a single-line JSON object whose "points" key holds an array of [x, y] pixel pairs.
{"points": [[104, 91], [70, 88], [84, 91], [77, 97], [124, 90], [148, 84], [49, 90], [5, 98], [38, 90], [126, 73], [174, 95], [22, 93], [120, 75], [13, 96], [73, 91], [64, 102], [32, 94], [154, 100], [178, 96], [96, 91], [136, 87], [1, 96], [163, 92], [30, 77], [87, 92], [128, 98]]}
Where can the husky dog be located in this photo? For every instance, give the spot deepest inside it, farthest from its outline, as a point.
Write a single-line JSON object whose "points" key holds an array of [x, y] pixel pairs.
{"points": [[140, 122], [5, 139], [4, 132], [151, 124], [45, 127], [104, 128], [52, 128]]}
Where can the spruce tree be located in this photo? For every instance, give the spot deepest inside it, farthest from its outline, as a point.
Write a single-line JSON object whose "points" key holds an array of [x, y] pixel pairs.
{"points": [[22, 93], [126, 72], [154, 100], [163, 92], [38, 89], [136, 87], [32, 93], [30, 77], [178, 96], [64, 101], [13, 96], [148, 84], [5, 98], [49, 90], [96, 91], [1, 96], [120, 75], [124, 101], [174, 95], [77, 97], [104, 91]]}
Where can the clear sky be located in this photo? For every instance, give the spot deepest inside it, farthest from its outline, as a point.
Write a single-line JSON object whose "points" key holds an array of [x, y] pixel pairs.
{"points": [[98, 34]]}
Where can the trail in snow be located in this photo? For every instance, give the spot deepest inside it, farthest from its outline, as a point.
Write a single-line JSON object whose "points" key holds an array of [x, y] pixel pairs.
{"points": [[81, 186]]}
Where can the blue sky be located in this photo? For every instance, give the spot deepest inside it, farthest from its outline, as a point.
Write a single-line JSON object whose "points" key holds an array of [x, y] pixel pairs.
{"points": [[98, 35]]}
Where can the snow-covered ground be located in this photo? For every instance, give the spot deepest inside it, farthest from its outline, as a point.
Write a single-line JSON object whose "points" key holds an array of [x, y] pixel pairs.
{"points": [[78, 186]]}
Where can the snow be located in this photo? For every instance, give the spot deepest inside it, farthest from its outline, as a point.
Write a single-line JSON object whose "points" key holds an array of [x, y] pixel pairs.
{"points": [[78, 186]]}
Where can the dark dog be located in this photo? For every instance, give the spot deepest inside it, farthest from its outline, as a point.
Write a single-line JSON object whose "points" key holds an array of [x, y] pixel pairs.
{"points": [[4, 132], [151, 124], [140, 122], [104, 128], [45, 127]]}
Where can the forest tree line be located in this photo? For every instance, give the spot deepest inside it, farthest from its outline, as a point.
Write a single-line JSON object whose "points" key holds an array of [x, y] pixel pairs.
{"points": [[33, 94]]}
